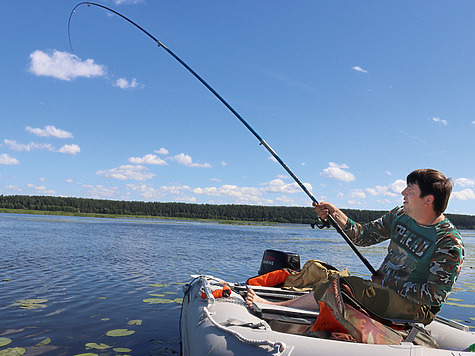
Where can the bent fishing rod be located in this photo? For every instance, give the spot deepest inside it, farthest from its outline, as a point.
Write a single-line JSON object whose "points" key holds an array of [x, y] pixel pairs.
{"points": [[220, 98]]}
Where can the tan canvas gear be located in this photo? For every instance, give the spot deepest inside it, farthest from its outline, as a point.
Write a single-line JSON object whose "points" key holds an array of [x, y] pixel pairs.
{"points": [[313, 273]]}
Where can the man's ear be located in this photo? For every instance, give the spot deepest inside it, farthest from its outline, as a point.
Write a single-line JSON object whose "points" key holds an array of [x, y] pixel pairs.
{"points": [[429, 199]]}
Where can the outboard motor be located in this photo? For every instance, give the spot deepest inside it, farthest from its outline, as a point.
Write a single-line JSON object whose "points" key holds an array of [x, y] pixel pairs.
{"points": [[274, 260]]}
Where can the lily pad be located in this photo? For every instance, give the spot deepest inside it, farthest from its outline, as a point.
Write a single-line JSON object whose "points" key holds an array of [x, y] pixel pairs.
{"points": [[179, 300], [119, 332], [87, 354], [105, 319], [44, 342], [460, 305], [34, 301], [13, 351], [93, 345], [157, 295], [134, 322], [158, 285], [101, 298], [121, 349], [158, 301], [455, 299], [4, 341], [31, 303]]}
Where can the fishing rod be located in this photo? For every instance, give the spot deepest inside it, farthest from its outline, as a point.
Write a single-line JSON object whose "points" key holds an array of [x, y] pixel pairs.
{"points": [[220, 98]]}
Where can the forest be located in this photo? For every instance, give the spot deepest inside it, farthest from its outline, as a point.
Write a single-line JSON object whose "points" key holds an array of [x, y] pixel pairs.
{"points": [[250, 213]]}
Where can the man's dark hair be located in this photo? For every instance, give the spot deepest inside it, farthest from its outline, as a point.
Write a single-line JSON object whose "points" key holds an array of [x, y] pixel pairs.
{"points": [[432, 182]]}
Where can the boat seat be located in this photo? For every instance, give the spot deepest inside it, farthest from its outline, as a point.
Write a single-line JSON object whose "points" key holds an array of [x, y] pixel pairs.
{"points": [[271, 293], [282, 310], [285, 319]]}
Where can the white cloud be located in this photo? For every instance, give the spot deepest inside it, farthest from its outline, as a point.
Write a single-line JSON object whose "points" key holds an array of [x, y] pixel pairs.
{"points": [[241, 194], [466, 194], [69, 180], [148, 192], [391, 190], [162, 151], [285, 200], [99, 191], [126, 172], [63, 65], [272, 158], [14, 187], [224, 164], [125, 84], [279, 186], [147, 159], [188, 162], [70, 149], [359, 69], [397, 186], [7, 160], [357, 193], [473, 122], [439, 120], [13, 145], [41, 189], [335, 171], [465, 182], [49, 131]]}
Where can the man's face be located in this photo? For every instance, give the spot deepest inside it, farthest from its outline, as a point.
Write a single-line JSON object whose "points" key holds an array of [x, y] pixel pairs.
{"points": [[413, 203]]}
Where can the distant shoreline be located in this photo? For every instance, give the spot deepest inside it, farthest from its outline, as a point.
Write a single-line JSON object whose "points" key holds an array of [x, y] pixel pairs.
{"points": [[150, 217], [231, 214]]}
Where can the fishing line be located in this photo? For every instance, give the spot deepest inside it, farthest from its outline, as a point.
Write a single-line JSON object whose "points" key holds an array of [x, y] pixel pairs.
{"points": [[259, 138]]}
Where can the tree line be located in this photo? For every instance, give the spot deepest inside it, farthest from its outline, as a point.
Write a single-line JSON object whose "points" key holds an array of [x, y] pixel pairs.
{"points": [[276, 214]]}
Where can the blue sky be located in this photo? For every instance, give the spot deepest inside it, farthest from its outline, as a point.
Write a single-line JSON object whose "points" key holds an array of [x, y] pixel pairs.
{"points": [[352, 95]]}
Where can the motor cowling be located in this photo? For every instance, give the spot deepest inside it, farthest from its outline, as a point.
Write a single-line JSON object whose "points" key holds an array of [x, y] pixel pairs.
{"points": [[273, 260]]}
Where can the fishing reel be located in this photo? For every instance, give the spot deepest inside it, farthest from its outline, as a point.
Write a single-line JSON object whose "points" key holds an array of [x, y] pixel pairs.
{"points": [[320, 223]]}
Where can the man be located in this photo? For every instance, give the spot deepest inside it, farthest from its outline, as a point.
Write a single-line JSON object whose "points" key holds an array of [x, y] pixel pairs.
{"points": [[425, 253]]}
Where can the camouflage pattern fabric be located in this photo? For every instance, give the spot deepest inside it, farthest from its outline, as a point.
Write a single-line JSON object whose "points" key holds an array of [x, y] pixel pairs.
{"points": [[423, 262], [361, 326], [384, 303]]}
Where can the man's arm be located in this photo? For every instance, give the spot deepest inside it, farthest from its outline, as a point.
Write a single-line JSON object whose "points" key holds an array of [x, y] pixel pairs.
{"points": [[362, 235]]}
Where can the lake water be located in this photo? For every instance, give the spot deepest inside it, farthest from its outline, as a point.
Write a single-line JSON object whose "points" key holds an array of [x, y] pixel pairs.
{"points": [[91, 276]]}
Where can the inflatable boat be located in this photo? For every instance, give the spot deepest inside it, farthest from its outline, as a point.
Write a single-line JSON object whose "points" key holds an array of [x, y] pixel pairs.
{"points": [[225, 325], [215, 320]]}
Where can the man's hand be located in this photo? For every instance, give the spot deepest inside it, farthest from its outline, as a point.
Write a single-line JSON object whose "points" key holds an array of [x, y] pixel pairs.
{"points": [[324, 209]]}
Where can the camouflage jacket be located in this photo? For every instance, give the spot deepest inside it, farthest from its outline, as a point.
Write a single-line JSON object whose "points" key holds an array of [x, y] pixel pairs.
{"points": [[423, 262]]}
